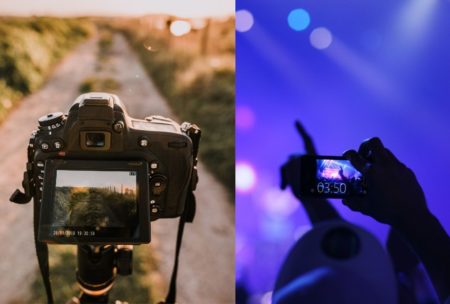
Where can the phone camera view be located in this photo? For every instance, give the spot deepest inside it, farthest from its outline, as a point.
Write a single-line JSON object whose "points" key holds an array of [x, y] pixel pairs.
{"points": [[338, 177], [94, 199], [330, 177]]}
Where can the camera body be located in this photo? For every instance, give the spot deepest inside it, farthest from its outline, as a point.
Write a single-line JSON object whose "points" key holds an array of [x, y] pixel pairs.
{"points": [[330, 177], [149, 162]]}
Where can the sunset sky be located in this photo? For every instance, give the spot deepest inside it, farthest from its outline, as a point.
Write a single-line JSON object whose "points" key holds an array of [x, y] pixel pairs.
{"points": [[182, 8], [96, 179]]}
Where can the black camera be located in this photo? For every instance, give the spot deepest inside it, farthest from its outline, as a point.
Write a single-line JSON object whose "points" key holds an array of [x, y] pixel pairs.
{"points": [[100, 176], [330, 177]]}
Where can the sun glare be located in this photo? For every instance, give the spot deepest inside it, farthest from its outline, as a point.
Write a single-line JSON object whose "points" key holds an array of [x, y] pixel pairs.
{"points": [[180, 28]]}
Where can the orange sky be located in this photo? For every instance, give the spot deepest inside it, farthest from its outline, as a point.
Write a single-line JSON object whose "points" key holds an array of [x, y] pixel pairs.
{"points": [[182, 8]]}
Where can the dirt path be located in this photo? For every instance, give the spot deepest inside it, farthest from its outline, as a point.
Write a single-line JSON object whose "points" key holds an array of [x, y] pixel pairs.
{"points": [[206, 272], [18, 263]]}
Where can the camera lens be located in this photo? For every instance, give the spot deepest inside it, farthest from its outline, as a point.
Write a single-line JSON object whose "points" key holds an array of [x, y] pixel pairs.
{"points": [[95, 140]]}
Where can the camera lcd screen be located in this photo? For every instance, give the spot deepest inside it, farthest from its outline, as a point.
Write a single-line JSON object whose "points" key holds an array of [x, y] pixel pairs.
{"points": [[98, 199], [331, 177], [96, 204]]}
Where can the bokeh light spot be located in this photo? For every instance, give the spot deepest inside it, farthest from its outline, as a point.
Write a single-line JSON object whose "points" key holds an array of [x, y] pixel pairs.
{"points": [[244, 21], [278, 203], [245, 177], [321, 38], [180, 28], [298, 19], [245, 118]]}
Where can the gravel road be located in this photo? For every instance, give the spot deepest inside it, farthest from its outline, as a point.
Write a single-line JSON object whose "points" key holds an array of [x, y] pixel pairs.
{"points": [[206, 273]]}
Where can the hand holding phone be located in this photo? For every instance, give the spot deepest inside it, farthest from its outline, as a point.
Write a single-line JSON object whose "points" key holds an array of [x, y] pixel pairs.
{"points": [[395, 195]]}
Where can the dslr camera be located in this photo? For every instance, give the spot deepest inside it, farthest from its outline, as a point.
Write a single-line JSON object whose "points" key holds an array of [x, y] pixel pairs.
{"points": [[99, 176]]}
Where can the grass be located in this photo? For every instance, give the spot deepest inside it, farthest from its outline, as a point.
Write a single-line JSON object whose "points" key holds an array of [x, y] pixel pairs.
{"points": [[196, 74], [29, 49], [104, 46], [99, 84], [136, 288]]}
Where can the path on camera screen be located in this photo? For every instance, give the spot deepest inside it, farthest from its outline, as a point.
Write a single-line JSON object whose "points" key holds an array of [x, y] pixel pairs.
{"points": [[206, 273]]}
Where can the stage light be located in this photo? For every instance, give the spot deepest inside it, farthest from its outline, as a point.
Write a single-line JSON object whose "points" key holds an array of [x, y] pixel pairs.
{"points": [[372, 40], [368, 74], [244, 21], [415, 20], [245, 177], [321, 38], [180, 28], [245, 118], [278, 203], [298, 19]]}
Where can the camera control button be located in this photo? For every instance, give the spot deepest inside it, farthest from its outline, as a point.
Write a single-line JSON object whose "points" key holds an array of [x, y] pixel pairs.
{"points": [[58, 145], [154, 165], [119, 126], [158, 184], [143, 142], [52, 120], [40, 164], [44, 146], [155, 209]]}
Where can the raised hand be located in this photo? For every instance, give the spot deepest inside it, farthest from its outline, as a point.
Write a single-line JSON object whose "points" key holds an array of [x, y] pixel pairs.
{"points": [[393, 190], [395, 197], [318, 209]]}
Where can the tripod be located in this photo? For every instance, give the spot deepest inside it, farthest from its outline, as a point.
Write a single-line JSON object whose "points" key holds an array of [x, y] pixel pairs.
{"points": [[98, 266]]}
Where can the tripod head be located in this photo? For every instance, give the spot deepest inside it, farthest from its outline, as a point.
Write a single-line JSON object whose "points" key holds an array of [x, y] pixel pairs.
{"points": [[97, 269]]}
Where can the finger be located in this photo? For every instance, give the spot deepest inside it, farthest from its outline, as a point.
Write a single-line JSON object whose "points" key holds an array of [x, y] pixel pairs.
{"points": [[392, 157], [356, 160], [373, 150], [290, 171], [307, 140]]}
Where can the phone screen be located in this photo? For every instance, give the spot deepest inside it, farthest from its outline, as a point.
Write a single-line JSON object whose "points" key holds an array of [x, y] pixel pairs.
{"points": [[330, 177]]}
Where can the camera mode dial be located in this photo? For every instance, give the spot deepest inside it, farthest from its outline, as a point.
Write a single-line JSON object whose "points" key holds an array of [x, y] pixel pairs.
{"points": [[51, 121]]}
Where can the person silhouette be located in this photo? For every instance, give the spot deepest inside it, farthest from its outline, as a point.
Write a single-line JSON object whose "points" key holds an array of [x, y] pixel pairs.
{"points": [[397, 199], [405, 242]]}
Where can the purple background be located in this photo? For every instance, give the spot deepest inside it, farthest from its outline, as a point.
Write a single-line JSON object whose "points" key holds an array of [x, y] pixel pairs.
{"points": [[386, 74]]}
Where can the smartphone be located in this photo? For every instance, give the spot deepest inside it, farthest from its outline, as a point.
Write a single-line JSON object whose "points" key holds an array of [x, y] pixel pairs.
{"points": [[330, 177]]}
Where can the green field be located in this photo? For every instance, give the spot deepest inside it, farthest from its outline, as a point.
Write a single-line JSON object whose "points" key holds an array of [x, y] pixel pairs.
{"points": [[29, 48], [196, 73], [93, 207]]}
